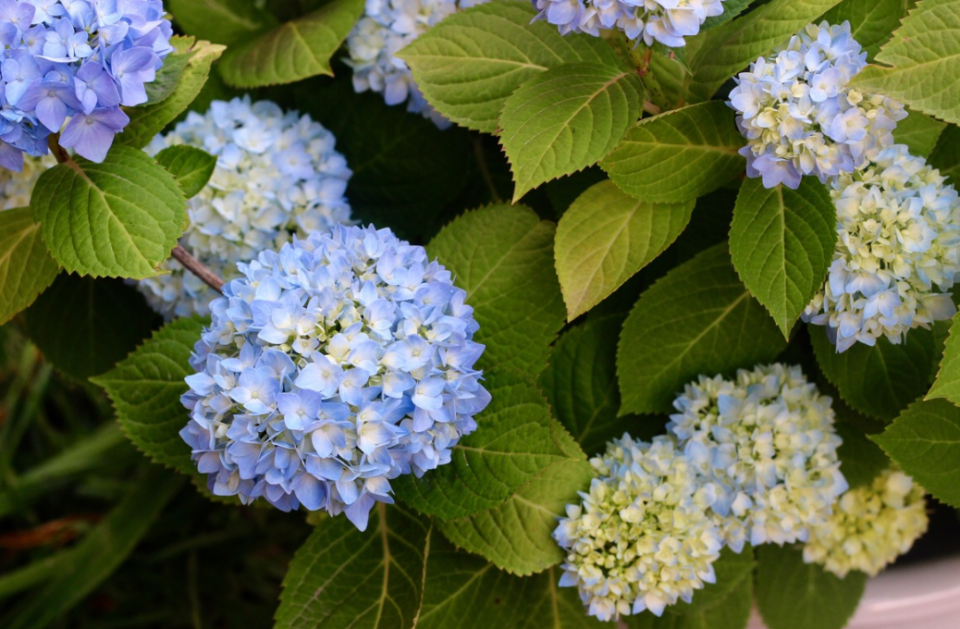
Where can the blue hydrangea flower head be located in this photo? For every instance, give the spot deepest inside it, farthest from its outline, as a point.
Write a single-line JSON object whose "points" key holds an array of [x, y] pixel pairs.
{"points": [[277, 174], [330, 368], [74, 63], [799, 115], [386, 27], [668, 22]]}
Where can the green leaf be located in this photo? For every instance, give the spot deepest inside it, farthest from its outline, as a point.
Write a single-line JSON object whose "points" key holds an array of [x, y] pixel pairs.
{"points": [[189, 165], [220, 21], [468, 65], [363, 579], [148, 120], [924, 61], [503, 257], [861, 460], [920, 133], [946, 155], [782, 242], [678, 156], [698, 319], [145, 390], [293, 51], [80, 570], [871, 21], [722, 605], [729, 48], [881, 380], [925, 442], [168, 76], [565, 119], [581, 382], [26, 268], [947, 384], [731, 9], [517, 536], [84, 326], [795, 595], [605, 237], [120, 218], [516, 440]]}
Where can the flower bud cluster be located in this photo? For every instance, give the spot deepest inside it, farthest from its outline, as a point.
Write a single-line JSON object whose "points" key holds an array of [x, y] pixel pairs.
{"points": [[766, 441], [277, 174], [331, 368], [897, 254], [76, 60], [386, 27], [643, 537], [800, 116], [870, 527], [664, 21]]}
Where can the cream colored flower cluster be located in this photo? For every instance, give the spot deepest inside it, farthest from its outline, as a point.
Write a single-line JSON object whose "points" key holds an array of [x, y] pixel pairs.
{"points": [[766, 441], [898, 251], [16, 187], [643, 537], [870, 527]]}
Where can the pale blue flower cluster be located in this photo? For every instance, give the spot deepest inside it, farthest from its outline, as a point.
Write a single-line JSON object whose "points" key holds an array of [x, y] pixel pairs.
{"points": [[667, 22], [800, 116], [330, 368], [78, 60], [277, 174], [386, 27]]}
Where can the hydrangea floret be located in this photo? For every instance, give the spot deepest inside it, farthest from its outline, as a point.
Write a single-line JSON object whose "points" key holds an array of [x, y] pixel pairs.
{"points": [[330, 368], [799, 115], [642, 538], [897, 254], [386, 27], [766, 440], [16, 188], [871, 526], [667, 22], [277, 174], [75, 62]]}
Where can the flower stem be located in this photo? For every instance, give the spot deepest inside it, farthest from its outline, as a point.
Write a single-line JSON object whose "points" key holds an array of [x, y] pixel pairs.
{"points": [[53, 141], [197, 268]]}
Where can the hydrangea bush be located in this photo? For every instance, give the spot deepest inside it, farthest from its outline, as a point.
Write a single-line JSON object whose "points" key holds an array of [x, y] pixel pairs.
{"points": [[649, 321]]}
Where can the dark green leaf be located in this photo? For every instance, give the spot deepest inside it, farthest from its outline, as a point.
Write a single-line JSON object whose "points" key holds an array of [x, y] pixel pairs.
{"points": [[919, 132], [26, 268], [220, 21], [946, 155], [871, 21]]}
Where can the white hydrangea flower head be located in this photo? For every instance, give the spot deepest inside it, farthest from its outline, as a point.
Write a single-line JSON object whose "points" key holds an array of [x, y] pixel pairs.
{"points": [[17, 187], [799, 115], [386, 27], [642, 538], [277, 174], [871, 526], [897, 254], [767, 441], [330, 368]]}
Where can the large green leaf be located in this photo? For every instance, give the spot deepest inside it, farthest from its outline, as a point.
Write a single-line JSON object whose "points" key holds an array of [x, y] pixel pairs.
{"points": [[190, 166], [503, 257], [605, 237], [581, 382], [946, 155], [120, 218], [861, 460], [922, 61], [84, 326], [343, 577], [698, 319], [145, 390], [516, 440], [468, 65], [26, 268], [293, 51], [80, 570], [947, 384], [880, 380], [220, 21], [925, 442], [871, 21], [679, 155], [148, 120], [567, 118], [795, 595], [517, 536], [920, 133], [782, 242]]}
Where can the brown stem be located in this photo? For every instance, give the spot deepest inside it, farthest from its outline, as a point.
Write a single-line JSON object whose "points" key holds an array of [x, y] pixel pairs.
{"points": [[53, 141], [198, 268]]}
